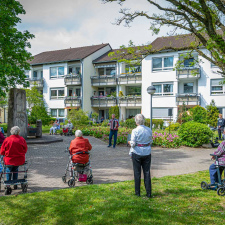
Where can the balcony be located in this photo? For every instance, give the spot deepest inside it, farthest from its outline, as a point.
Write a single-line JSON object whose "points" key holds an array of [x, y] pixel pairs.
{"points": [[189, 73], [72, 101], [188, 99], [38, 82], [129, 101], [103, 80], [130, 78], [72, 79], [103, 101]]}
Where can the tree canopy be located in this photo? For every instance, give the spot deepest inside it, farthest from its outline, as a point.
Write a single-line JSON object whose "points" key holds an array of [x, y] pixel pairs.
{"points": [[203, 18], [13, 46]]}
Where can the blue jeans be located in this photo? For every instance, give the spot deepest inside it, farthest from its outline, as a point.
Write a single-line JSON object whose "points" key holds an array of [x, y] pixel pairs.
{"points": [[113, 132], [12, 169], [213, 173]]}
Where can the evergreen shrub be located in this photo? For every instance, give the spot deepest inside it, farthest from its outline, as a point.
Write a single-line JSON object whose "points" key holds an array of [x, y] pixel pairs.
{"points": [[194, 134], [173, 127]]}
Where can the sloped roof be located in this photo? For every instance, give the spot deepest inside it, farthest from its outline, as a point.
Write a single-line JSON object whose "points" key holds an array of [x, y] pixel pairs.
{"points": [[105, 57], [70, 54]]}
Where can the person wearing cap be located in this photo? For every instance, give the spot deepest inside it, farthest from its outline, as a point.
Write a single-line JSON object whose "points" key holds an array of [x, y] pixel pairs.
{"points": [[140, 152]]}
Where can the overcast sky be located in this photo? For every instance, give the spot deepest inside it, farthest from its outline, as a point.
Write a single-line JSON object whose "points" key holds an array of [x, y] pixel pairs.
{"points": [[60, 24]]}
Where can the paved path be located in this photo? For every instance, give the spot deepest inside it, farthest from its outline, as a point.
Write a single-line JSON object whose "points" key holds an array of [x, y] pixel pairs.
{"points": [[47, 163]]}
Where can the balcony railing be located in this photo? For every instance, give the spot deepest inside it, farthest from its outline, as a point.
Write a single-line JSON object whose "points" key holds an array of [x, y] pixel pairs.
{"points": [[72, 101], [103, 101], [189, 73], [130, 78], [103, 80], [129, 101], [188, 99], [38, 82], [72, 79]]}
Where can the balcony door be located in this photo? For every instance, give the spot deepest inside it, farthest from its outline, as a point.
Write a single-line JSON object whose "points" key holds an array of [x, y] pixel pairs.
{"points": [[188, 88]]}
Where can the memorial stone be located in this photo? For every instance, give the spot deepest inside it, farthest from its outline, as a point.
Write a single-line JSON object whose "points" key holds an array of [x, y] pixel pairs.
{"points": [[17, 113]]}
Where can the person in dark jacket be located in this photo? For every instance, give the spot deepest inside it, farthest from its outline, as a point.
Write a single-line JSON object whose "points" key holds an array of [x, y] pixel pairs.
{"points": [[221, 125]]}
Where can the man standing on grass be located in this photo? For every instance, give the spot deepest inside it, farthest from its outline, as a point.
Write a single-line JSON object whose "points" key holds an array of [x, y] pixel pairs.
{"points": [[114, 124]]}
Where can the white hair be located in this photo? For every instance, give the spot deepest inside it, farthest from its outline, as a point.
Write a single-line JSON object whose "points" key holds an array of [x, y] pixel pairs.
{"points": [[15, 130], [140, 119], [78, 133]]}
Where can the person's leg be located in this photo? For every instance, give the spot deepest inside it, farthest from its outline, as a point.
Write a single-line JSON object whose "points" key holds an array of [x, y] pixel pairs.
{"points": [[51, 129], [137, 172], [219, 133], [8, 173], [213, 174], [146, 164], [110, 137], [15, 170], [115, 138], [54, 129]]}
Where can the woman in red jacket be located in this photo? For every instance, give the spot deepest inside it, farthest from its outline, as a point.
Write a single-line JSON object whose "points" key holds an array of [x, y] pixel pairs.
{"points": [[80, 144], [14, 149]]}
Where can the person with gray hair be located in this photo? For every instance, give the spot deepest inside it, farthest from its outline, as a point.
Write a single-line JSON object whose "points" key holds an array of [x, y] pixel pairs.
{"points": [[80, 144], [14, 149], [140, 151]]}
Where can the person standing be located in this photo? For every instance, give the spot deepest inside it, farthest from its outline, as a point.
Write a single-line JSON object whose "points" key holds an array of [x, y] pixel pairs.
{"points": [[221, 125], [114, 124], [140, 151]]}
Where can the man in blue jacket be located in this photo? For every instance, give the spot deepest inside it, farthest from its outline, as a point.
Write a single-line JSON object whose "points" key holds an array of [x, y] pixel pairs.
{"points": [[221, 125]]}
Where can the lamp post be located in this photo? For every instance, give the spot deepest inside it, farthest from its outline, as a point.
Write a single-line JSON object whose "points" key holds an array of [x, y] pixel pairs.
{"points": [[151, 90]]}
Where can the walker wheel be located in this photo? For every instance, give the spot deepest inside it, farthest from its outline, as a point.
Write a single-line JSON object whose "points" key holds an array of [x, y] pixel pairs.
{"points": [[64, 179], [89, 180], [221, 191], [71, 183], [204, 185], [24, 187], [8, 191]]}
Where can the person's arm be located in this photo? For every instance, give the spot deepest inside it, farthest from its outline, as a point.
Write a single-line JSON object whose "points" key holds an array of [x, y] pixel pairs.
{"points": [[3, 148], [89, 145], [132, 141], [220, 150], [25, 146]]}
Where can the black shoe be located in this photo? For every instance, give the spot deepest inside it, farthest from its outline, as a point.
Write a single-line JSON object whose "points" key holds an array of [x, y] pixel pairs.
{"points": [[148, 195], [114, 146], [138, 194], [109, 146], [15, 187]]}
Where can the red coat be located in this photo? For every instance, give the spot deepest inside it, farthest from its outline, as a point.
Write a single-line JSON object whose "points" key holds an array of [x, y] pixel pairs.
{"points": [[14, 149], [80, 144]]}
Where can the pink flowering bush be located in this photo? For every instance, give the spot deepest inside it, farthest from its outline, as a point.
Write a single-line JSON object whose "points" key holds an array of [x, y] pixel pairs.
{"points": [[166, 140]]}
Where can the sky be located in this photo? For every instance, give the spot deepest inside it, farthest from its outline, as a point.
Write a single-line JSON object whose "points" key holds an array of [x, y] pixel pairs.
{"points": [[61, 24]]}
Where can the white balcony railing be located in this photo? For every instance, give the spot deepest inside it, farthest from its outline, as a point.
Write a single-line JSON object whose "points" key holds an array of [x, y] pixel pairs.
{"points": [[72, 79], [188, 73], [188, 99], [38, 82], [103, 101], [73, 101], [130, 78], [129, 101], [103, 80]]}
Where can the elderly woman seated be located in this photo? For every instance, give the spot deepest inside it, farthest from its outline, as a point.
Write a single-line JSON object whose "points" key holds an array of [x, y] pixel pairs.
{"points": [[77, 145], [14, 149]]}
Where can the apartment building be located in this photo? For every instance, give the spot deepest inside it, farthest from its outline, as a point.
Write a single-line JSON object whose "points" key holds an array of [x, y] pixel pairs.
{"points": [[64, 77], [177, 86], [88, 78]]}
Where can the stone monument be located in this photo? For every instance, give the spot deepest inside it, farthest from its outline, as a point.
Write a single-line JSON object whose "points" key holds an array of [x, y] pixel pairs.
{"points": [[17, 113]]}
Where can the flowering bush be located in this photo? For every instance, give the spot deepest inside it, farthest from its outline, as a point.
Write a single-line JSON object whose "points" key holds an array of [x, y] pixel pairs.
{"points": [[166, 140]]}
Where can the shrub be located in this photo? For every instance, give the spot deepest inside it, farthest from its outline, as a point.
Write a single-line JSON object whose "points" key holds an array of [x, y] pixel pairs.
{"points": [[194, 134], [173, 127], [212, 114], [198, 114], [105, 123], [130, 123], [183, 114], [114, 110], [4, 126], [78, 117], [156, 122]]}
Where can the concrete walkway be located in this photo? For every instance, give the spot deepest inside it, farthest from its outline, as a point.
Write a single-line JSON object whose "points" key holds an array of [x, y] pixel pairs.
{"points": [[47, 163]]}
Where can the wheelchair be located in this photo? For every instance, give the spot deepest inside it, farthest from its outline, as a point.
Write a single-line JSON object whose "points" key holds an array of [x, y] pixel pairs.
{"points": [[220, 186]]}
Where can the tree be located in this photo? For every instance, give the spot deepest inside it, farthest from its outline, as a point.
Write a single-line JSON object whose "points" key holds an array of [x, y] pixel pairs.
{"points": [[114, 110], [198, 114], [33, 97], [204, 19], [183, 114], [13, 44], [212, 114], [78, 117]]}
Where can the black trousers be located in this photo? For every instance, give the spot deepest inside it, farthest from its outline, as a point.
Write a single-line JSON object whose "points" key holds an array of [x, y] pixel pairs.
{"points": [[144, 162], [220, 131]]}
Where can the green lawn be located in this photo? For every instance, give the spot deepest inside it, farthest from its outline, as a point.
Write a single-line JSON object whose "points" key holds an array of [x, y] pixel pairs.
{"points": [[176, 200]]}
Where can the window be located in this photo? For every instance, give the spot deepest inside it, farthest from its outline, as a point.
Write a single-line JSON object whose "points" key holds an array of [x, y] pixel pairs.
{"points": [[133, 90], [188, 87], [165, 63], [163, 89], [74, 70], [56, 72], [110, 90], [57, 93], [188, 62], [161, 112], [35, 74], [41, 74], [131, 113], [133, 69], [217, 87], [57, 112], [107, 71]]}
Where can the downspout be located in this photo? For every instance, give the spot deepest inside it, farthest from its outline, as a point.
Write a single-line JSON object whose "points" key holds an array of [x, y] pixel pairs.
{"points": [[82, 83]]}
